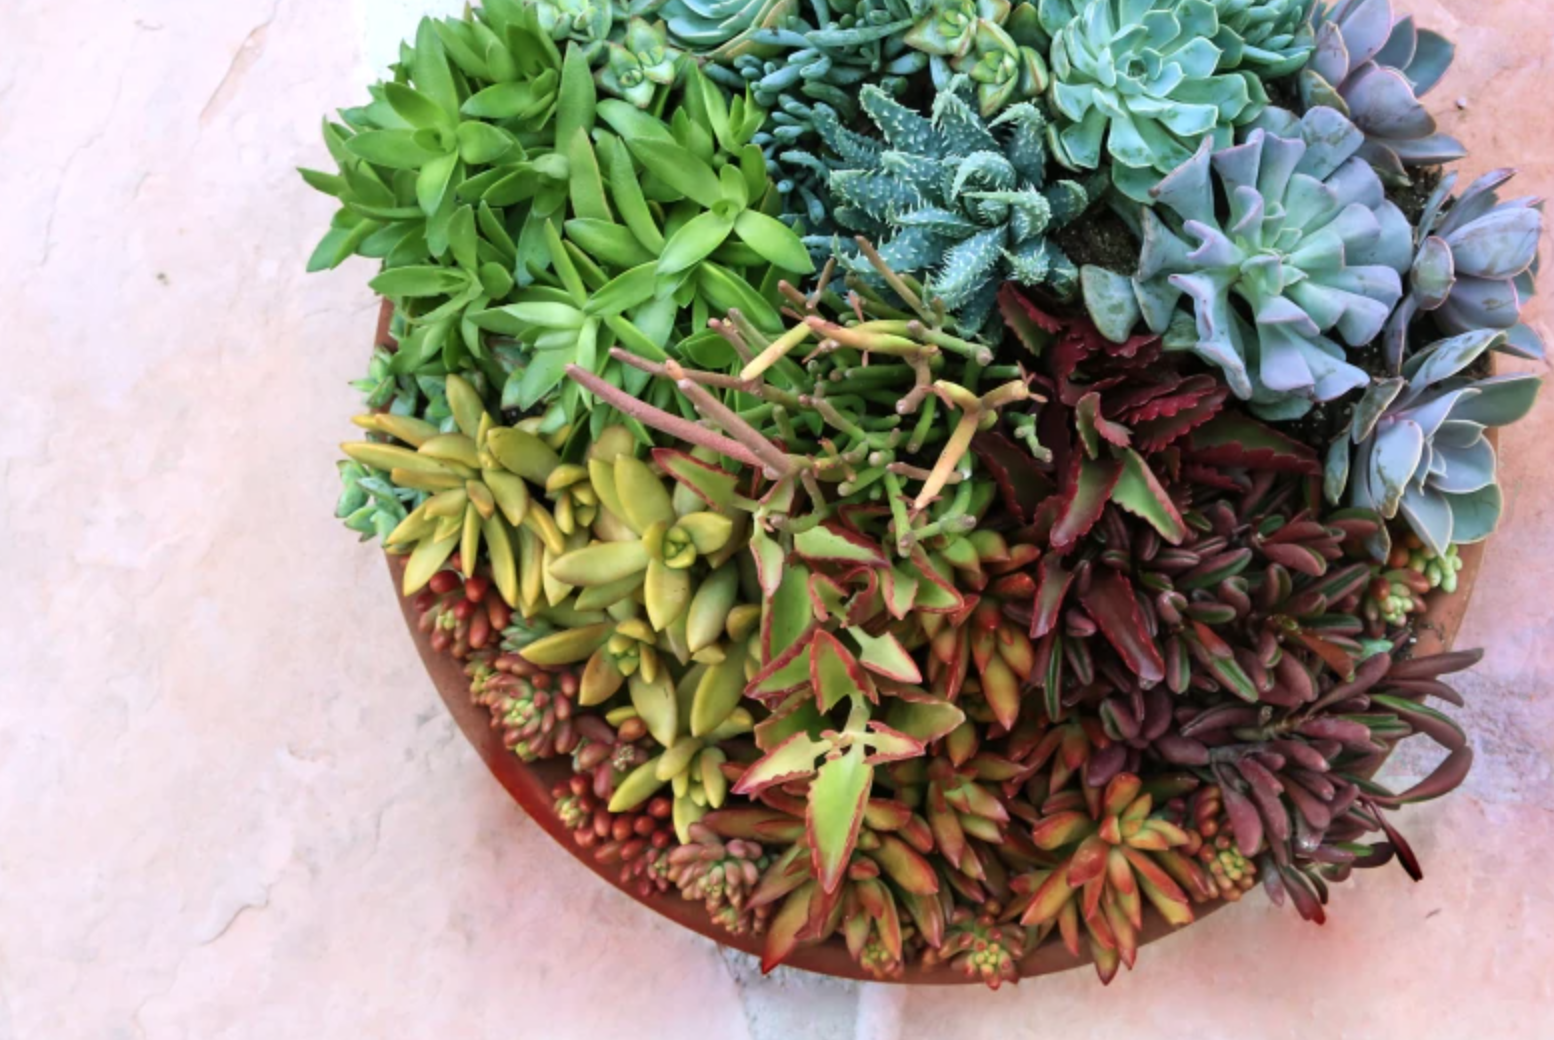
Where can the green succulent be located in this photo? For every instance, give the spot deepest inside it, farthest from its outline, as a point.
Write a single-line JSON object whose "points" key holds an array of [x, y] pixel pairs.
{"points": [[476, 487], [720, 29], [998, 46], [370, 503], [1140, 84], [814, 60], [1419, 448], [632, 56], [661, 223], [653, 546], [1272, 38], [953, 197]]}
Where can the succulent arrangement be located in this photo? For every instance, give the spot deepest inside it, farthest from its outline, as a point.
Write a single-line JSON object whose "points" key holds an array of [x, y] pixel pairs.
{"points": [[941, 478]]}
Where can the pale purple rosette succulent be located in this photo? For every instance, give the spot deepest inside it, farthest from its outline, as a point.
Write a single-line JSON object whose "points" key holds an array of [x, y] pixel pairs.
{"points": [[1374, 68], [1305, 247], [1419, 444], [1474, 268]]}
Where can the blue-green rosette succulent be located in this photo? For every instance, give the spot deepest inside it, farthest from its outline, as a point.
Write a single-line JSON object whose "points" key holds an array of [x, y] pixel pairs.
{"points": [[1139, 83], [957, 200], [1305, 245], [1420, 449], [1272, 38], [720, 29]]}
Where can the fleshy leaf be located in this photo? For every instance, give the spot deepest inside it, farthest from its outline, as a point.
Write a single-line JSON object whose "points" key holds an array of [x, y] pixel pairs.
{"points": [[836, 799]]}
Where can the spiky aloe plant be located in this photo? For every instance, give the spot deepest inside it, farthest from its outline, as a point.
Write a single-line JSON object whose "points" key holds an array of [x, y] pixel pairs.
{"points": [[961, 201]]}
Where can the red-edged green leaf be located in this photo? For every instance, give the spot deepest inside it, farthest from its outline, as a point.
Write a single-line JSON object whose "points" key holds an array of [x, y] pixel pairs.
{"points": [[923, 716], [834, 673], [795, 715], [787, 612], [889, 745], [906, 866], [769, 558], [782, 933], [1139, 492], [793, 758], [1233, 439], [884, 655], [1085, 494], [836, 799], [715, 486], [786, 672], [935, 593], [900, 592], [1111, 602], [829, 543]]}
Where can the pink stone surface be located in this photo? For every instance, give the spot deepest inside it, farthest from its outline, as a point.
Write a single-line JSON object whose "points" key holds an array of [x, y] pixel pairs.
{"points": [[232, 805]]}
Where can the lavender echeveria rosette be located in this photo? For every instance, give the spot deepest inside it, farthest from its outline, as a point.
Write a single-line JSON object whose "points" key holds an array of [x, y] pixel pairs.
{"points": [[875, 593], [1474, 268], [1306, 242], [1374, 68], [1420, 445]]}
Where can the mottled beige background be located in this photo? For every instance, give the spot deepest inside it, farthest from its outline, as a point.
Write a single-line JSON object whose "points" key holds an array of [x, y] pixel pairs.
{"points": [[232, 805]]}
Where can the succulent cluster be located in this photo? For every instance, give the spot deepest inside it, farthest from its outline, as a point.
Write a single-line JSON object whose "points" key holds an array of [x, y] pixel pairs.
{"points": [[943, 478]]}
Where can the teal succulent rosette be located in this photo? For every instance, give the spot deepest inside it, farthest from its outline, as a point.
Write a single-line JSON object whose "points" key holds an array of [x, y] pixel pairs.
{"points": [[940, 478]]}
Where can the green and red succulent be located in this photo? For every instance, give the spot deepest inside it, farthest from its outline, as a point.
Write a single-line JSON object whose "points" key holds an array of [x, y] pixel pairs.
{"points": [[888, 597]]}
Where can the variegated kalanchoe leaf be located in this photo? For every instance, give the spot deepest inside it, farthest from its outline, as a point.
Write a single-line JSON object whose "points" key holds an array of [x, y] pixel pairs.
{"points": [[1140, 84], [1303, 257], [1474, 268], [1419, 444], [1374, 67], [955, 198]]}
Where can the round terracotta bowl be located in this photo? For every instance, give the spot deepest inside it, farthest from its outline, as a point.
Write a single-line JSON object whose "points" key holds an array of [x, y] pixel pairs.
{"points": [[530, 786]]}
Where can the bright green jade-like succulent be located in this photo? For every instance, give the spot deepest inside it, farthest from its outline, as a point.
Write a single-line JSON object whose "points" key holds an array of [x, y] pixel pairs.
{"points": [[1141, 83], [546, 237], [962, 201], [1304, 244], [1419, 444]]}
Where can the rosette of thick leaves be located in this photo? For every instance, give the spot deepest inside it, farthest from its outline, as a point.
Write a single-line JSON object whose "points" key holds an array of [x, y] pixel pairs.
{"points": [[720, 29], [999, 47], [1143, 77], [1270, 37], [953, 197], [1420, 448], [1374, 68], [1474, 268], [1306, 245]]}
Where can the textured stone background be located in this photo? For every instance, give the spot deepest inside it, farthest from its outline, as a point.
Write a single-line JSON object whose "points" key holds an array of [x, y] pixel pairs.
{"points": [[232, 805]]}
